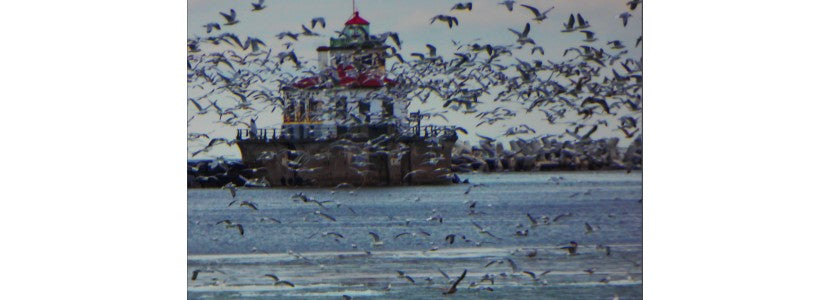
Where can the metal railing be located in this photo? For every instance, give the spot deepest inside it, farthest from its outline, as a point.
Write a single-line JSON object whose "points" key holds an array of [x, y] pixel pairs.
{"points": [[429, 131], [265, 134]]}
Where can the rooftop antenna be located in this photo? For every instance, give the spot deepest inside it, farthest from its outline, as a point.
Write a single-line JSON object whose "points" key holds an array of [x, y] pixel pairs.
{"points": [[353, 7]]}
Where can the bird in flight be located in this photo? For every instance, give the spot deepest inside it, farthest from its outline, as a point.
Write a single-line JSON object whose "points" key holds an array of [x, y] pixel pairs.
{"points": [[462, 6], [319, 213], [248, 204], [624, 16], [522, 36], [581, 23], [569, 27], [444, 18], [211, 26], [258, 5], [589, 36], [571, 248], [453, 288], [538, 17], [318, 20], [230, 18], [375, 239], [508, 4]]}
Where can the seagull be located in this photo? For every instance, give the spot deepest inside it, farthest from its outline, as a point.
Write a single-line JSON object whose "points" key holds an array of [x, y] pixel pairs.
{"points": [[569, 27], [230, 18], [444, 18], [588, 228], [195, 274], [633, 4], [582, 24], [308, 32], [616, 44], [319, 20], [231, 188], [333, 234], [589, 36], [450, 238], [291, 35], [532, 220], [211, 26], [325, 215], [455, 284], [258, 5], [508, 4], [375, 239], [522, 37], [406, 177], [462, 6], [482, 231], [513, 266], [248, 204], [538, 16], [238, 227], [571, 248], [624, 16]]}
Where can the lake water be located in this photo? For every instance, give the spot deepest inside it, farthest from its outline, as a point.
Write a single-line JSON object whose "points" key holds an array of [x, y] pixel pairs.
{"points": [[287, 237]]}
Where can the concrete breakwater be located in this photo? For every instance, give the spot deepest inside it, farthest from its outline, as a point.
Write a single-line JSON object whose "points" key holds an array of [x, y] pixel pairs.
{"points": [[488, 156]]}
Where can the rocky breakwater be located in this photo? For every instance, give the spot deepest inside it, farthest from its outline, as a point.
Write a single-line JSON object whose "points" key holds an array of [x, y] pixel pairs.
{"points": [[547, 154]]}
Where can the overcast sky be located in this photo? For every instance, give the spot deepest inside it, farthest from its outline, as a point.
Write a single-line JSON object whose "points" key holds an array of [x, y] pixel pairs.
{"points": [[488, 22]]}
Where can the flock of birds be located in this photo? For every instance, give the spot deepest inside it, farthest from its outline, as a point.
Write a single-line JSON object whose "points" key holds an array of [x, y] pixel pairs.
{"points": [[589, 87], [326, 212]]}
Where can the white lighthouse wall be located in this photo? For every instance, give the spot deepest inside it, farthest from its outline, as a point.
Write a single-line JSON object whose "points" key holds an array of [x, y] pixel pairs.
{"points": [[323, 59]]}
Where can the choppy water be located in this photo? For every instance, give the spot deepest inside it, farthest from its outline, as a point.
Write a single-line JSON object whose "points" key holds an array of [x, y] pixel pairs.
{"points": [[327, 267]]}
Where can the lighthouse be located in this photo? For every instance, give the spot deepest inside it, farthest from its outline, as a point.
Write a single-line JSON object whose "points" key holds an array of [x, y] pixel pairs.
{"points": [[350, 94], [349, 123]]}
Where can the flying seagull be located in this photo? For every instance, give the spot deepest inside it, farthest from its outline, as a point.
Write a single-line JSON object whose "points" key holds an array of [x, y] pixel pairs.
{"points": [[508, 4], [589, 36], [538, 16], [230, 18], [569, 27], [325, 216], [319, 20], [444, 18], [571, 248], [462, 6], [258, 5], [582, 24], [624, 16], [211, 26], [375, 239], [455, 284]]}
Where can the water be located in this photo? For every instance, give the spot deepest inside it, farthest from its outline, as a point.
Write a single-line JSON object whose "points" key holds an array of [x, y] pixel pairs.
{"points": [[327, 267]]}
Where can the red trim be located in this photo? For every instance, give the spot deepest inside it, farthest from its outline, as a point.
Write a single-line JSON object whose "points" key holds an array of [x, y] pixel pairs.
{"points": [[357, 20]]}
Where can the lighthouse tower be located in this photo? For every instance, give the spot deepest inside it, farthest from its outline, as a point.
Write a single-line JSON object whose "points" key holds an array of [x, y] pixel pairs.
{"points": [[350, 94]]}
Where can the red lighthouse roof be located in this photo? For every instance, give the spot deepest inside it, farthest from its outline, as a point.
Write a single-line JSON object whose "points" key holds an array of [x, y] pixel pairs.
{"points": [[357, 20]]}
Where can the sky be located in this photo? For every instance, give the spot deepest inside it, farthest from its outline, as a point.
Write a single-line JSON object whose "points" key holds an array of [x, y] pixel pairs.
{"points": [[488, 22]]}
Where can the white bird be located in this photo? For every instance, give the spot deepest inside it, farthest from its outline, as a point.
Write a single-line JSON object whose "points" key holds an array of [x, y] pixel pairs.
{"points": [[508, 4], [624, 16], [230, 18], [538, 16], [375, 239], [589, 36], [258, 5], [319, 20]]}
